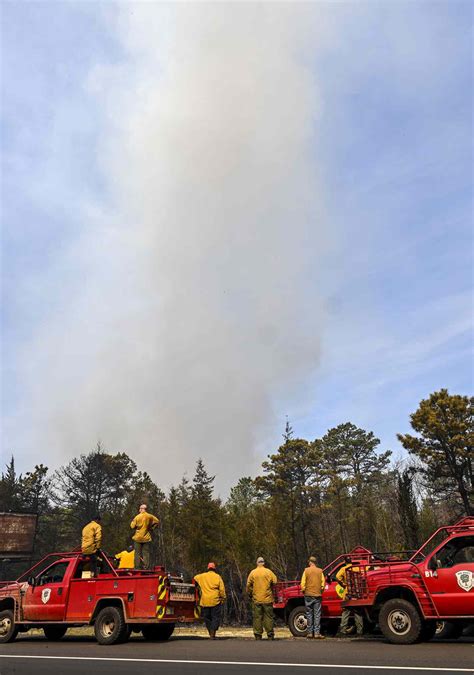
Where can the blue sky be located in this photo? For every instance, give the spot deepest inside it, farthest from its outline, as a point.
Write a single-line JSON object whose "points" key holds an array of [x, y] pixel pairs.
{"points": [[383, 95]]}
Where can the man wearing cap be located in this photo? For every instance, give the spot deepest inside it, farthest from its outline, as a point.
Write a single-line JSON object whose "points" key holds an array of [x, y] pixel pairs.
{"points": [[312, 585], [259, 587], [142, 525], [211, 596]]}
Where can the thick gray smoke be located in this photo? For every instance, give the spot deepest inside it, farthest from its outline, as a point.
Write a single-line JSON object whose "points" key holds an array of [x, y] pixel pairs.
{"points": [[192, 322]]}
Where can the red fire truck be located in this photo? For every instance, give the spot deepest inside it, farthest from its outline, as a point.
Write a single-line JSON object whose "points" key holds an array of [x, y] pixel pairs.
{"points": [[60, 592], [289, 599], [410, 598]]}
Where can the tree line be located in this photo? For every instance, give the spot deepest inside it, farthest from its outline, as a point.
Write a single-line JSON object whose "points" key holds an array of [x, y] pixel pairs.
{"points": [[321, 496]]}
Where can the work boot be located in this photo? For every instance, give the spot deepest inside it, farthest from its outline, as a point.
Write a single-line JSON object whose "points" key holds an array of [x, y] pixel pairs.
{"points": [[212, 634], [318, 636], [309, 636], [270, 637], [258, 637]]}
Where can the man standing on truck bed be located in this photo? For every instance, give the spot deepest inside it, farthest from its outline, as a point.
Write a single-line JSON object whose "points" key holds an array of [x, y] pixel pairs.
{"points": [[126, 559], [143, 523], [259, 587], [312, 585], [91, 541], [211, 597]]}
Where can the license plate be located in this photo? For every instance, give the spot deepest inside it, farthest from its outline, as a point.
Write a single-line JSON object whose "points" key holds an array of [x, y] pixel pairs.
{"points": [[188, 597]]}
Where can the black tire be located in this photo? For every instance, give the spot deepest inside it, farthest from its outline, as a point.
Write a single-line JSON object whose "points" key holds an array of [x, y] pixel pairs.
{"points": [[54, 632], [330, 627], [400, 621], [297, 621], [110, 627], [8, 628], [428, 630], [158, 632], [446, 630], [468, 630]]}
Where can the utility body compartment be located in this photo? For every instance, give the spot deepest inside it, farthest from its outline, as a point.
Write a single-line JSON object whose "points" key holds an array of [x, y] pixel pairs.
{"points": [[60, 590]]}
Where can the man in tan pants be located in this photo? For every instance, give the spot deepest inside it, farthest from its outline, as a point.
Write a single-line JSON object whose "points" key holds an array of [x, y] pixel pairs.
{"points": [[259, 587], [142, 525]]}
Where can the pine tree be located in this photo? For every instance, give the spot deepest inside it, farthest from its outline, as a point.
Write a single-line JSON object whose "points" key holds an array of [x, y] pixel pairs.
{"points": [[203, 518], [408, 510], [445, 444], [10, 485]]}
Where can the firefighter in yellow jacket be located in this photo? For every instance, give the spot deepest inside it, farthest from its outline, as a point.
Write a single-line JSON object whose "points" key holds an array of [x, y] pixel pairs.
{"points": [[312, 585], [259, 586], [126, 559], [91, 541], [211, 597], [347, 612], [143, 524]]}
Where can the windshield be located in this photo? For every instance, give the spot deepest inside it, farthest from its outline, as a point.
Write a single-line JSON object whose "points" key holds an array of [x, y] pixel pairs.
{"points": [[429, 547]]}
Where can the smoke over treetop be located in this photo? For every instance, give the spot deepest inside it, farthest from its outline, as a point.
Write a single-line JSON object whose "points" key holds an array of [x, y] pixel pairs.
{"points": [[192, 312]]}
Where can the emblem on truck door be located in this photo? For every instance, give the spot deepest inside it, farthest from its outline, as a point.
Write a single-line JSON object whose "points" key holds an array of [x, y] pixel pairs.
{"points": [[465, 579], [45, 595]]}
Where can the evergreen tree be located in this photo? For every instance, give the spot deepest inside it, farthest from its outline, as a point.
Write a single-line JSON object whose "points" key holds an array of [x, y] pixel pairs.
{"points": [[203, 517], [407, 510], [10, 487], [445, 445]]}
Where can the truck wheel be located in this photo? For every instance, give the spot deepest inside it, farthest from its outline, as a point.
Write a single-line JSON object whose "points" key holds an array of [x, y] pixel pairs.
{"points": [[110, 627], [329, 627], [54, 632], [400, 622], [446, 630], [428, 631], [469, 630], [158, 632], [8, 629], [297, 621]]}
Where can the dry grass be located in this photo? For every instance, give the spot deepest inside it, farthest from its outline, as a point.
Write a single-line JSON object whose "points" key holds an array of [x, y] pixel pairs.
{"points": [[193, 630]]}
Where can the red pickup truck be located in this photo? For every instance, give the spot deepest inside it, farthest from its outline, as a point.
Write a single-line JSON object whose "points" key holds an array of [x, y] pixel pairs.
{"points": [[289, 599], [59, 592], [410, 598]]}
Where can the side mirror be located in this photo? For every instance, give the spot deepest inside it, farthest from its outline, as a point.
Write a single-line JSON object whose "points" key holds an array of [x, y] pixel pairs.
{"points": [[433, 564], [31, 581]]}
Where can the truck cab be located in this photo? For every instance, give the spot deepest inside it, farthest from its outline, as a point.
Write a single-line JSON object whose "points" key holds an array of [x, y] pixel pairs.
{"points": [[61, 591], [409, 599]]}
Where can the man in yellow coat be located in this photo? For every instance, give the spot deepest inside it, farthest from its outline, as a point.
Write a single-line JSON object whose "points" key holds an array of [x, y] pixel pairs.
{"points": [[211, 597], [259, 586], [143, 524], [126, 559], [347, 612], [91, 541]]}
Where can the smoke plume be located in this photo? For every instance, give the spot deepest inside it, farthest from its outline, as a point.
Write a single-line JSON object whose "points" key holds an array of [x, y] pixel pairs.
{"points": [[188, 323]]}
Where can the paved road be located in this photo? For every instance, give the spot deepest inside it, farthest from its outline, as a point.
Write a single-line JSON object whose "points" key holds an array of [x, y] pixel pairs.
{"points": [[230, 656]]}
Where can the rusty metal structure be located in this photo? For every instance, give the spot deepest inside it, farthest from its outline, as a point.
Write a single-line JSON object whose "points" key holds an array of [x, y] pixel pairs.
{"points": [[17, 534]]}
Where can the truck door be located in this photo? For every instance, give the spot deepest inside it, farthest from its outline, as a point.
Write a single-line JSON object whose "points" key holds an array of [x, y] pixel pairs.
{"points": [[332, 598], [46, 600], [449, 577]]}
